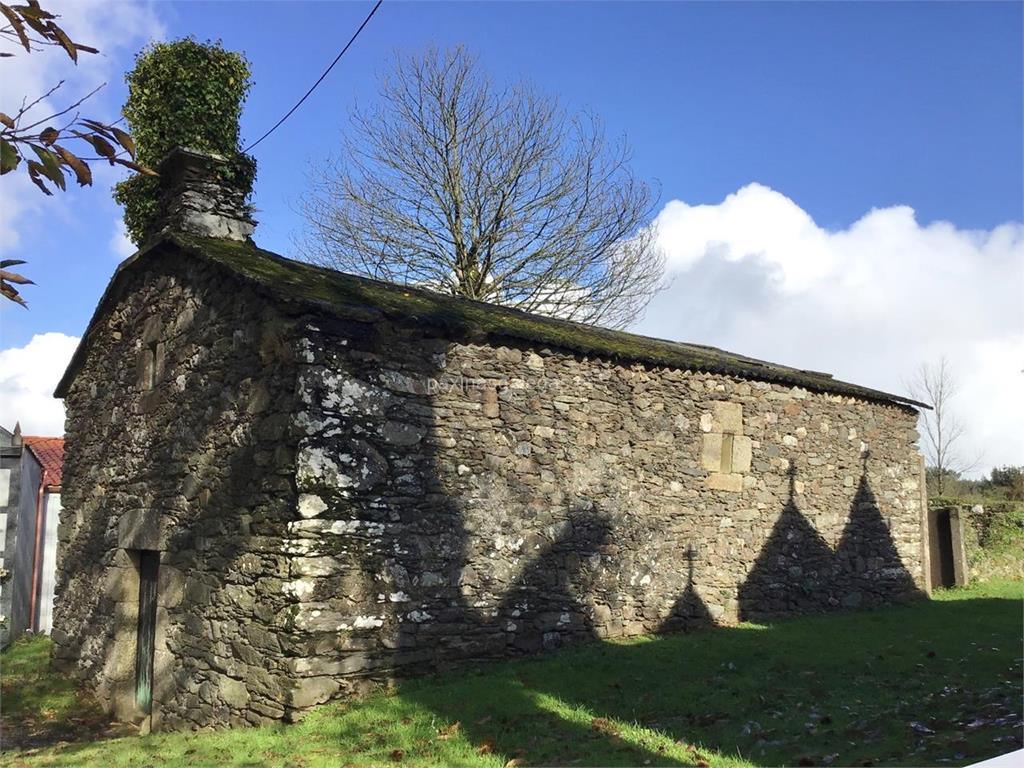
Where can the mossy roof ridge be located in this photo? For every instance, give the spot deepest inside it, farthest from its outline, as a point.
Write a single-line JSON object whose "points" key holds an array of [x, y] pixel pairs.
{"points": [[352, 295]]}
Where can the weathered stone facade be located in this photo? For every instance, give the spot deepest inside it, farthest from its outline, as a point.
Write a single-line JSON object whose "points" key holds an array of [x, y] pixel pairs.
{"points": [[339, 494], [178, 442], [196, 199]]}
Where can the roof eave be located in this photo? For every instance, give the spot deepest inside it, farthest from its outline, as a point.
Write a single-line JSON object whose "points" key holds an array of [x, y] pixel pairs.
{"points": [[774, 373]]}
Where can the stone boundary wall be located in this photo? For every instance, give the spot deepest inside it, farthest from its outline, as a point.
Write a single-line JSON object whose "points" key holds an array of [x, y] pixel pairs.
{"points": [[992, 555], [466, 501]]}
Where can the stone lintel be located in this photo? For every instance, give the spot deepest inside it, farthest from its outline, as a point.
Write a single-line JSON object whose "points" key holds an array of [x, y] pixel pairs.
{"points": [[728, 417], [140, 529], [719, 481]]}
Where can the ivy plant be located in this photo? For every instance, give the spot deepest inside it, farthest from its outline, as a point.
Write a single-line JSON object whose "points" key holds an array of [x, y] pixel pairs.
{"points": [[183, 94]]}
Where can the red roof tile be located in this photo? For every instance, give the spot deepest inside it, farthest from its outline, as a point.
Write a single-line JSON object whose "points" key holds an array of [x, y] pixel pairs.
{"points": [[49, 451]]}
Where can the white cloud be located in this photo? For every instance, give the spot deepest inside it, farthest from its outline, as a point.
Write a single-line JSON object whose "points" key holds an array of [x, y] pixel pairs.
{"points": [[755, 274], [28, 376], [117, 31]]}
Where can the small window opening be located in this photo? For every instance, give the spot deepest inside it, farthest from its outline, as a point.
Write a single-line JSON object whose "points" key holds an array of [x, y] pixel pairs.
{"points": [[727, 440], [151, 365], [149, 378]]}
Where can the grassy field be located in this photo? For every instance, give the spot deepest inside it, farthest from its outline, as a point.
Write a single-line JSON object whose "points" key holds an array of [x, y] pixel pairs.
{"points": [[933, 683]]}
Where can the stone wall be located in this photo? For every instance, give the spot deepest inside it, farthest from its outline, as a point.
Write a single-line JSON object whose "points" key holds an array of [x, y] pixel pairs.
{"points": [[471, 501], [337, 502], [994, 539], [195, 198], [177, 442]]}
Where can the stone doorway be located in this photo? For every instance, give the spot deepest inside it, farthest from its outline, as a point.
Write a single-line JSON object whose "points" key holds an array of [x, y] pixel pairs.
{"points": [[946, 548], [145, 644]]}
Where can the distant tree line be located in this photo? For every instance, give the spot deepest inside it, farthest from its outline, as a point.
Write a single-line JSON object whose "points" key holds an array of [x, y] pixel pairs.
{"points": [[1002, 484]]}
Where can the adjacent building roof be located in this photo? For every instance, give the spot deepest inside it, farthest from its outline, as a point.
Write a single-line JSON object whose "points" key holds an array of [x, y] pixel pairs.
{"points": [[351, 296], [49, 452]]}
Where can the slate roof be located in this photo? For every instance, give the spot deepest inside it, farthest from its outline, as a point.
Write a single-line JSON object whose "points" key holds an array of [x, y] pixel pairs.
{"points": [[301, 284], [49, 452]]}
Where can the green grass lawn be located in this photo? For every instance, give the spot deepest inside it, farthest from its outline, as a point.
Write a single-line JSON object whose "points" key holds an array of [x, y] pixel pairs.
{"points": [[932, 683]]}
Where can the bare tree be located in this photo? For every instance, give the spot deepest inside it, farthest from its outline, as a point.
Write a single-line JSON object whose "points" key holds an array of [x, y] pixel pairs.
{"points": [[937, 385], [493, 194]]}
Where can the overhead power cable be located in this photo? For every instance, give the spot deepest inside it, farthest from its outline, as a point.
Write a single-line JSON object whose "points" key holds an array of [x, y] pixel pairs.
{"points": [[320, 79]]}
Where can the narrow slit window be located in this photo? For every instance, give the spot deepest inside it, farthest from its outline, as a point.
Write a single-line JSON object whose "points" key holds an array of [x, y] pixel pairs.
{"points": [[151, 365], [727, 441]]}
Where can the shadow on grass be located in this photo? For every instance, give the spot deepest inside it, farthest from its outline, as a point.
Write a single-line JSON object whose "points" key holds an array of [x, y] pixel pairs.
{"points": [[861, 688], [784, 693], [40, 708], [931, 683]]}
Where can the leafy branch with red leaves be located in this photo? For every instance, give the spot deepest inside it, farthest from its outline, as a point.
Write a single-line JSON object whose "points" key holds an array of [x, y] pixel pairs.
{"points": [[43, 144]]}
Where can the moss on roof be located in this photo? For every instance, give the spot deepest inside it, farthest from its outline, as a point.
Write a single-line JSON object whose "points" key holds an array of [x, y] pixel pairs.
{"points": [[359, 297]]}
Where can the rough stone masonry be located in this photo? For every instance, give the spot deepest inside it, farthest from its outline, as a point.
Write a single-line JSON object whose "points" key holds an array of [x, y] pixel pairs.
{"points": [[346, 481]]}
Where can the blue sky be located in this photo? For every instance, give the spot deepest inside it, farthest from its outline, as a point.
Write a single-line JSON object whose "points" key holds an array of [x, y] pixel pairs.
{"points": [[832, 110], [843, 106]]}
